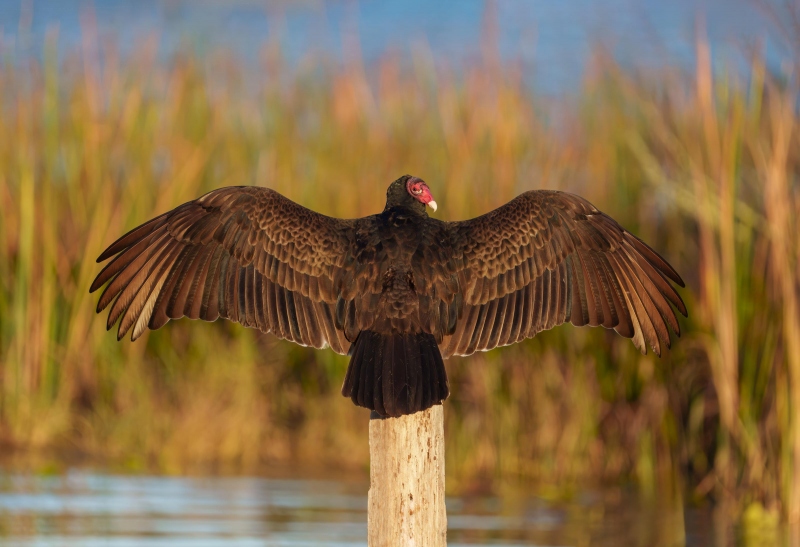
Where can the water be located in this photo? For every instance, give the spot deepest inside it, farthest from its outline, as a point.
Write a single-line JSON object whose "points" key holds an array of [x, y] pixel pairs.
{"points": [[84, 508], [552, 41]]}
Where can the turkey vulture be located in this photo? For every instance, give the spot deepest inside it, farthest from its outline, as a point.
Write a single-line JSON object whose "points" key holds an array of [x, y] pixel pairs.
{"points": [[397, 291]]}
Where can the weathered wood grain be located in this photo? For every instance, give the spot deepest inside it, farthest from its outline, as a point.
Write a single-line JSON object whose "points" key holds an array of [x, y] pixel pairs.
{"points": [[406, 495]]}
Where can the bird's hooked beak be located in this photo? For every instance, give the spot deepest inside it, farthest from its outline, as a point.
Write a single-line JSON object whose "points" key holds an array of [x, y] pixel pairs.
{"points": [[427, 197], [420, 191]]}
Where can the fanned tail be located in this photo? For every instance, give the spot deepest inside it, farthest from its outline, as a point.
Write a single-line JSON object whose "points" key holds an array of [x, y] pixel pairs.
{"points": [[396, 374]]}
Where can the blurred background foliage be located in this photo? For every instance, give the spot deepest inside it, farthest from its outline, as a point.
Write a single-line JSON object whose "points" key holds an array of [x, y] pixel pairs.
{"points": [[702, 165]]}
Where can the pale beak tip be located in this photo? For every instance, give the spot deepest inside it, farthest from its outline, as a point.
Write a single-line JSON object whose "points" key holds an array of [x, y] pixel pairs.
{"points": [[432, 205]]}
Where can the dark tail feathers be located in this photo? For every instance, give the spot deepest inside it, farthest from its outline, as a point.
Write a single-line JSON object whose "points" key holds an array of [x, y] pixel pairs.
{"points": [[396, 374]]}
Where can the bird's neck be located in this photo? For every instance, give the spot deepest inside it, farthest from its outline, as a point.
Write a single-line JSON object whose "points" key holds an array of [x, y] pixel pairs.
{"points": [[415, 209]]}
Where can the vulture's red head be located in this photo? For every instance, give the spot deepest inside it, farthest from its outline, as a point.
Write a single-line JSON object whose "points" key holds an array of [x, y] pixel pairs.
{"points": [[410, 193], [418, 190]]}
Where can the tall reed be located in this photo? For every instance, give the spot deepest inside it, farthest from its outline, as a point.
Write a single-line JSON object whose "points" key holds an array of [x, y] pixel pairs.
{"points": [[704, 168]]}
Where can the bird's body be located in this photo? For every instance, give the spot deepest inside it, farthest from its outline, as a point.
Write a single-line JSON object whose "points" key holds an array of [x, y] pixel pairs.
{"points": [[399, 291]]}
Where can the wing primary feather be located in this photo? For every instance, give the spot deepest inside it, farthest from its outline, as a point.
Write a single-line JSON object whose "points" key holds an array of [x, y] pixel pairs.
{"points": [[656, 276], [510, 318], [159, 318], [489, 325], [217, 300], [340, 314], [177, 301], [452, 317], [316, 329], [492, 335], [520, 312], [592, 292], [281, 311], [291, 314], [132, 236], [569, 283], [196, 294], [129, 268], [636, 308], [325, 321], [259, 297], [555, 299], [245, 295], [538, 301], [351, 324], [245, 315], [468, 330], [138, 252], [271, 307], [130, 289], [232, 290], [546, 302], [624, 325], [144, 317], [302, 328], [580, 309], [647, 298], [527, 327], [326, 324], [210, 284], [645, 250], [132, 300], [193, 275], [610, 318], [476, 333]]}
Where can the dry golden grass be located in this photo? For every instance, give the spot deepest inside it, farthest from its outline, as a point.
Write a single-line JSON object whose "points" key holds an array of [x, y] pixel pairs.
{"points": [[705, 169]]}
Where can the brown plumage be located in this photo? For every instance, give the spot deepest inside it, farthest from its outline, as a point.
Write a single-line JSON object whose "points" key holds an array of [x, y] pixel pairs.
{"points": [[398, 291]]}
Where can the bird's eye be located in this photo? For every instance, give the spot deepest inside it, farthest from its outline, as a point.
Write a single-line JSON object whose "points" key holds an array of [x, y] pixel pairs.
{"points": [[416, 190]]}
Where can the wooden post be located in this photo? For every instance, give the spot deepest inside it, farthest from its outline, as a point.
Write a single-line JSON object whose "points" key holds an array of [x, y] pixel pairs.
{"points": [[406, 493]]}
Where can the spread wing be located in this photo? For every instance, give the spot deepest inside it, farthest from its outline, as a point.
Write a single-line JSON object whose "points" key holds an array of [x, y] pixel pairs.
{"points": [[549, 257], [244, 253]]}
